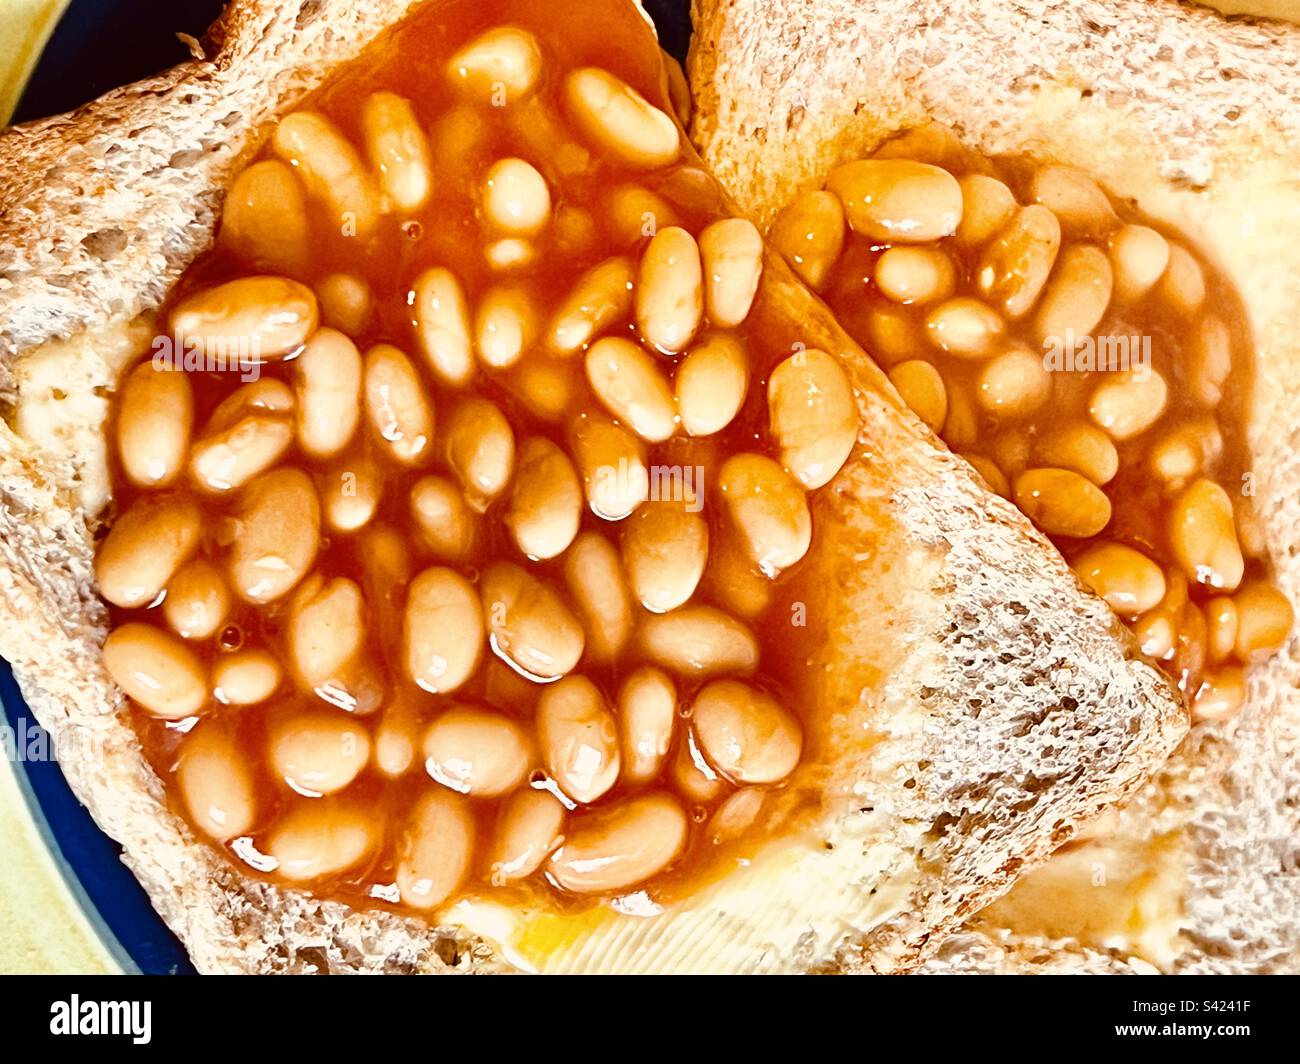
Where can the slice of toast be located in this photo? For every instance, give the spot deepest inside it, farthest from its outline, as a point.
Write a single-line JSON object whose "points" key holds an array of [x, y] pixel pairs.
{"points": [[1195, 119], [974, 704]]}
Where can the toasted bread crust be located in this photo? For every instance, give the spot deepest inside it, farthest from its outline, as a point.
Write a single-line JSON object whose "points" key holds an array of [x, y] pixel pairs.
{"points": [[1071, 722], [1196, 119]]}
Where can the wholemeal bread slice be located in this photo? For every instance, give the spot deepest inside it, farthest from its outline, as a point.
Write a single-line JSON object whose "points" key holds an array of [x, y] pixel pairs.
{"points": [[974, 705], [1196, 119]]}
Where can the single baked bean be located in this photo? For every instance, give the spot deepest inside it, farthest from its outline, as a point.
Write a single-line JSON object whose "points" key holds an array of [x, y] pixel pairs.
{"points": [[144, 548], [1016, 265], [647, 708], [387, 568], [922, 389], [400, 412], [216, 784], [732, 253], [155, 416], [528, 623], [516, 199], [1176, 593], [1127, 404], [264, 218], [633, 212], [619, 847], [964, 327], [1011, 450], [813, 416], [611, 462], [1264, 620], [1221, 694], [396, 738], [319, 753], [1250, 531], [1139, 256], [317, 839], [897, 199], [442, 325], [477, 752], [346, 302], [461, 145], [246, 435], [250, 319], [510, 253], [745, 733], [1081, 447], [265, 563], [631, 387], [1183, 283], [601, 297], [1156, 634], [1129, 581], [1078, 202], [734, 581], [266, 397], [961, 428], [435, 850], [329, 393], [1220, 628], [769, 510], [679, 89], [1077, 295], [156, 670], [1188, 660], [546, 501], [443, 631], [694, 778], [530, 828], [711, 384], [505, 326], [506, 60], [1185, 451], [331, 170], [699, 641], [446, 522], [1013, 384], [665, 550], [327, 629], [736, 815], [615, 117], [670, 290], [245, 677], [1203, 537], [480, 449], [809, 235], [596, 583], [895, 335], [578, 737], [351, 492], [1209, 361], [1062, 503], [915, 275], [987, 205], [398, 149], [197, 601]]}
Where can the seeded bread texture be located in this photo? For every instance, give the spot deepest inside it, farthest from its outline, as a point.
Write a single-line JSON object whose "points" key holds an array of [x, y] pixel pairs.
{"points": [[1017, 710], [1196, 119]]}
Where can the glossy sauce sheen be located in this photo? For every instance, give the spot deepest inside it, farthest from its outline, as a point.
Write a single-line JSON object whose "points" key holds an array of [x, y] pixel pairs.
{"points": [[449, 231]]}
